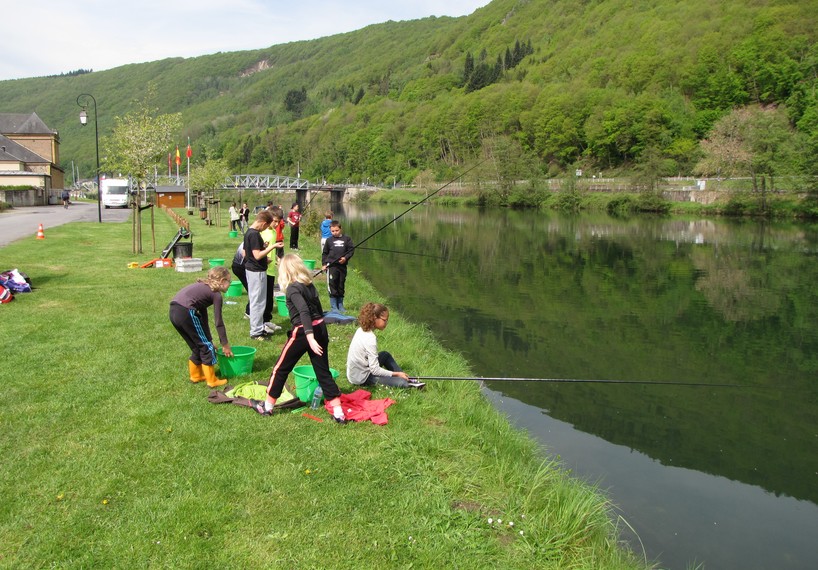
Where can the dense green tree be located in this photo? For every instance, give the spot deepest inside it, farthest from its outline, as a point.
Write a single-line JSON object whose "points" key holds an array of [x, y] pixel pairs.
{"points": [[295, 101]]}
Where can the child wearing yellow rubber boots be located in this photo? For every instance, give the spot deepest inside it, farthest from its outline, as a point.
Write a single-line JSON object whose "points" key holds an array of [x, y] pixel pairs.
{"points": [[188, 314]]}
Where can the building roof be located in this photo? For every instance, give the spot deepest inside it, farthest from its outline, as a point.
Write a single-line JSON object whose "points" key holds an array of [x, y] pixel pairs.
{"points": [[23, 124], [10, 150]]}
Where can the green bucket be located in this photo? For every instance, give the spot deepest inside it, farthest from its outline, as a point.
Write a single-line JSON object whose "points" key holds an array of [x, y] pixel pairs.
{"points": [[281, 305], [309, 263], [239, 364], [306, 382], [215, 262], [234, 290], [233, 233]]}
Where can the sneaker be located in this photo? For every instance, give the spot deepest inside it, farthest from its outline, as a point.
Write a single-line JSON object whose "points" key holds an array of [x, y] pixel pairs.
{"points": [[342, 421], [262, 337], [417, 384], [246, 316], [271, 327], [259, 406]]}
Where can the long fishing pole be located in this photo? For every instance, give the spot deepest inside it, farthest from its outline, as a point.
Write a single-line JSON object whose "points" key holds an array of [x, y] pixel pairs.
{"points": [[413, 206], [575, 381], [401, 252]]}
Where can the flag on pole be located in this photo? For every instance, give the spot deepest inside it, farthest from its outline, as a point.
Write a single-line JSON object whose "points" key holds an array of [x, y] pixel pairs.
{"points": [[178, 156], [189, 152], [169, 163]]}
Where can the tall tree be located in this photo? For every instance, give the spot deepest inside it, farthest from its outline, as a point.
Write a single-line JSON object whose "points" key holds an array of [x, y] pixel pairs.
{"points": [[140, 140]]}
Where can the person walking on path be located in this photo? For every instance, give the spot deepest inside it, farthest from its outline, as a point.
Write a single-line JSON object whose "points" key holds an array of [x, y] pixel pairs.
{"points": [[66, 198], [188, 314], [334, 260], [256, 251], [365, 365], [308, 336], [294, 221]]}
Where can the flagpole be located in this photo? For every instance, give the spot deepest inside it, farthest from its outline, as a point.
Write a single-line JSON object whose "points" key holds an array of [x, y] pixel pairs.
{"points": [[188, 153]]}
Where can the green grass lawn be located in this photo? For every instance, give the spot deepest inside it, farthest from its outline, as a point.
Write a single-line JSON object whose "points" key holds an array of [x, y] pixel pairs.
{"points": [[111, 458]]}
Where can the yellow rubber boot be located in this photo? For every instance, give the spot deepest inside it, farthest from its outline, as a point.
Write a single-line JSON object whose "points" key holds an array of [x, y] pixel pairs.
{"points": [[210, 376], [196, 372]]}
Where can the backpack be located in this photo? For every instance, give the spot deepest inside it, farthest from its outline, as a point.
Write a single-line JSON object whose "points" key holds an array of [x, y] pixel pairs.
{"points": [[6, 295]]}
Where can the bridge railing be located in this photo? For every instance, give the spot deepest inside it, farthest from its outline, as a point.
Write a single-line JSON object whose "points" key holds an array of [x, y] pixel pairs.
{"points": [[265, 182]]}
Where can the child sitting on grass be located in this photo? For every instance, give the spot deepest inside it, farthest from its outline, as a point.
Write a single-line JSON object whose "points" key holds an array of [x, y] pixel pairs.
{"points": [[365, 365]]}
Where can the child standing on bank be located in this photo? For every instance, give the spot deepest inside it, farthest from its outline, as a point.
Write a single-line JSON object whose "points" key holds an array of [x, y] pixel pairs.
{"points": [[188, 314], [294, 221], [256, 250], [325, 233], [308, 336], [334, 259]]}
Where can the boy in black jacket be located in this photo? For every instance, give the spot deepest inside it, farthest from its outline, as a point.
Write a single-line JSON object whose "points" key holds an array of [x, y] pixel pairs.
{"points": [[334, 260]]}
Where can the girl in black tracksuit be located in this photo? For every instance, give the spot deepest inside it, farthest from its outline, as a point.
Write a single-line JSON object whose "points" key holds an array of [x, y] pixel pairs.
{"points": [[308, 335]]}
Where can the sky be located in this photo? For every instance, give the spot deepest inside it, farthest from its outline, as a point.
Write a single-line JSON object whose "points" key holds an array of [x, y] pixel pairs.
{"points": [[49, 37]]}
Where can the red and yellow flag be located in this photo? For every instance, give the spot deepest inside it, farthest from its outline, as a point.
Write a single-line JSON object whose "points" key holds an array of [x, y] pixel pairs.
{"points": [[188, 152], [178, 157]]}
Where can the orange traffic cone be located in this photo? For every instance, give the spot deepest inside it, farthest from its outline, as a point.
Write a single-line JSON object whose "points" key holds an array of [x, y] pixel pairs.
{"points": [[40, 234]]}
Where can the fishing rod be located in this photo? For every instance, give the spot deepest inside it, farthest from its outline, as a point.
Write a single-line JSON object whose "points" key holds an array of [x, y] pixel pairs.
{"points": [[413, 206], [402, 252], [574, 381]]}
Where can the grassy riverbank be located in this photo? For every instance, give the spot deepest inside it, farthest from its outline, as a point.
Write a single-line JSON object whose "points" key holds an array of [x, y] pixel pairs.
{"points": [[112, 459]]}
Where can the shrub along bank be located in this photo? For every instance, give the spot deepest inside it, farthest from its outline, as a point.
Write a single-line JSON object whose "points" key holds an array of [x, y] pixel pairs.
{"points": [[735, 203], [113, 459]]}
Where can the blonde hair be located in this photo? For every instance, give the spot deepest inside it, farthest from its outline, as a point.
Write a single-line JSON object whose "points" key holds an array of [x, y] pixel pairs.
{"points": [[216, 277], [291, 269]]}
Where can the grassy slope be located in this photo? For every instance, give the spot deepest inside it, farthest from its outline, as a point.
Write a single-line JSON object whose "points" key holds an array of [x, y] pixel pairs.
{"points": [[111, 458]]}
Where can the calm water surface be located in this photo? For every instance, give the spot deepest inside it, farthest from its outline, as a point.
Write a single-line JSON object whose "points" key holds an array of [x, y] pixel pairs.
{"points": [[726, 477]]}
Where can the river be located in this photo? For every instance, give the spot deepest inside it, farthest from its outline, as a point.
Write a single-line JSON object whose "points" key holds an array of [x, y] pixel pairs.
{"points": [[723, 476]]}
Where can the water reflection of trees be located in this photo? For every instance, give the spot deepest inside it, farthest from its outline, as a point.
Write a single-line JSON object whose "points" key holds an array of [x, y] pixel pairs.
{"points": [[656, 299]]}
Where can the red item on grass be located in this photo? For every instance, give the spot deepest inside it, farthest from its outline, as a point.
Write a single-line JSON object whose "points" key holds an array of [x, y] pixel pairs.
{"points": [[359, 407]]}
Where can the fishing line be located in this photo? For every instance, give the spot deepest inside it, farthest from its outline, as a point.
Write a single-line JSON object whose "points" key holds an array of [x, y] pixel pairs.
{"points": [[413, 206], [402, 252], [576, 381]]}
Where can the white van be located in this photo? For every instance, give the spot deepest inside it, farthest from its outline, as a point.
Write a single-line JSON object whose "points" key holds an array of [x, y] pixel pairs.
{"points": [[114, 192]]}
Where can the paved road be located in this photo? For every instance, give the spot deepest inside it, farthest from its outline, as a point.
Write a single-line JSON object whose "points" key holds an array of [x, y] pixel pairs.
{"points": [[23, 222]]}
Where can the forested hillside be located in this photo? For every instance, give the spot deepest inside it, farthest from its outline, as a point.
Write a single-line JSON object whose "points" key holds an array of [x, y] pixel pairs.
{"points": [[540, 86]]}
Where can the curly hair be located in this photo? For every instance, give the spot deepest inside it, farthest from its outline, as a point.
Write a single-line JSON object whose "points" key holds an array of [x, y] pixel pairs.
{"points": [[370, 312], [215, 277]]}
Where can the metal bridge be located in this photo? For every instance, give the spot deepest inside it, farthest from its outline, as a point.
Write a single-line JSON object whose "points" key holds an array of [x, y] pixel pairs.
{"points": [[265, 182]]}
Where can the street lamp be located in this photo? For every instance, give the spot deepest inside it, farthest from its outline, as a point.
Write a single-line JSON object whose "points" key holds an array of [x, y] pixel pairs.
{"points": [[83, 122]]}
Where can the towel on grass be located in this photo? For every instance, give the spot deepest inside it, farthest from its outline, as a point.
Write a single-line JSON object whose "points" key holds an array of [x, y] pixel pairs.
{"points": [[359, 406]]}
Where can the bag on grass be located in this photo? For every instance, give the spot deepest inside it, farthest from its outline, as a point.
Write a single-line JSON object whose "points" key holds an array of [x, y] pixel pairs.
{"points": [[16, 281], [5, 295]]}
